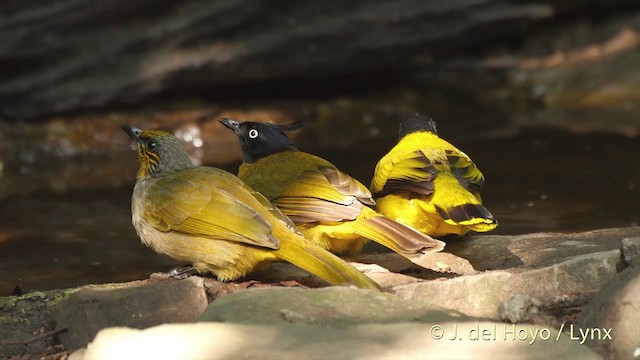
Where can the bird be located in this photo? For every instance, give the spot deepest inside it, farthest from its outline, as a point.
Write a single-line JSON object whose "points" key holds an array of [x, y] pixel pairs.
{"points": [[209, 218], [329, 207], [427, 183]]}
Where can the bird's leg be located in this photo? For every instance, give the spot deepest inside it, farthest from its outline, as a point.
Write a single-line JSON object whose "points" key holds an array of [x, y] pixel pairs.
{"points": [[181, 272]]}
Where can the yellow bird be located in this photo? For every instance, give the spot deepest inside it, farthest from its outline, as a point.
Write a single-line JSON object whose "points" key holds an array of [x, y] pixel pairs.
{"points": [[327, 205], [209, 218], [429, 184]]}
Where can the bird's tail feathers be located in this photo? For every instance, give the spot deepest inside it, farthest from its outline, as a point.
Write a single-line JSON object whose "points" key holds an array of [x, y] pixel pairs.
{"points": [[308, 256], [398, 237], [475, 216]]}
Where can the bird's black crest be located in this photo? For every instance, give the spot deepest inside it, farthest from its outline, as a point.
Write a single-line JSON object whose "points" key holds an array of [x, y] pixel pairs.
{"points": [[415, 123]]}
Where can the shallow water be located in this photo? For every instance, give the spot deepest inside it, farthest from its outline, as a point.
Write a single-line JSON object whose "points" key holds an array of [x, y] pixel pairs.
{"points": [[537, 181]]}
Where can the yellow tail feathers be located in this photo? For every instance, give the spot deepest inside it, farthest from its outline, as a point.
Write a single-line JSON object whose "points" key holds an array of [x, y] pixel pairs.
{"points": [[332, 269]]}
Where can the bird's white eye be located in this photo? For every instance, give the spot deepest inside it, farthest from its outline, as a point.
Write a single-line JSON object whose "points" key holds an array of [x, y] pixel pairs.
{"points": [[253, 133]]}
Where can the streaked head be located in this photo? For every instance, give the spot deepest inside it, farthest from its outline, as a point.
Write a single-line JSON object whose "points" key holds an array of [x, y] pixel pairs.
{"points": [[159, 152], [417, 123], [261, 139]]}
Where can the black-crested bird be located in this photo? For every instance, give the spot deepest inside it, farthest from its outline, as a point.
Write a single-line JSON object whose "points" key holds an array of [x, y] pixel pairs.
{"points": [[328, 206], [429, 184]]}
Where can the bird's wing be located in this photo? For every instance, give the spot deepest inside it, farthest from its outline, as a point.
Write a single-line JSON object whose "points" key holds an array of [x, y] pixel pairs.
{"points": [[463, 168], [194, 205], [323, 193], [404, 172], [274, 210], [413, 169]]}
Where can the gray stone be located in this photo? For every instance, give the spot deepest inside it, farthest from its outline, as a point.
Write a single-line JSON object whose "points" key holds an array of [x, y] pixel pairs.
{"points": [[629, 252], [481, 295], [90, 309], [332, 305], [471, 340], [616, 308], [519, 308], [499, 252]]}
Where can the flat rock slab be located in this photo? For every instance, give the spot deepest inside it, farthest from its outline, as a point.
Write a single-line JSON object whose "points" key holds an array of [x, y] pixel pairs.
{"points": [[333, 305], [91, 309], [303, 341], [481, 295], [496, 252]]}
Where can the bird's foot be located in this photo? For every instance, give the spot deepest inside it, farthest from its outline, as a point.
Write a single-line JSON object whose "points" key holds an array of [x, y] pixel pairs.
{"points": [[178, 273]]}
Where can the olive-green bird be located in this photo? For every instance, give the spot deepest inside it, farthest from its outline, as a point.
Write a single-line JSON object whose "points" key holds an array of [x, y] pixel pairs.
{"points": [[210, 219], [327, 205], [429, 184]]}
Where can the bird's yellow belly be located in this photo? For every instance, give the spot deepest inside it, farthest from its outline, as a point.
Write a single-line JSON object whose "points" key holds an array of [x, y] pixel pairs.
{"points": [[226, 260]]}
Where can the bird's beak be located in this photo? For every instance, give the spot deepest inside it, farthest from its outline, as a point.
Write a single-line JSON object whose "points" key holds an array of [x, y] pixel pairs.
{"points": [[133, 132], [231, 124]]}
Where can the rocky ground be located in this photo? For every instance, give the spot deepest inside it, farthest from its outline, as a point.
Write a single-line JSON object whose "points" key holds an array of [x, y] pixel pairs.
{"points": [[543, 295]]}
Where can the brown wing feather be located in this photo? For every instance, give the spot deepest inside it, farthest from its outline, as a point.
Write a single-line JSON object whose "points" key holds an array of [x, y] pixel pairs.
{"points": [[306, 210], [323, 194], [347, 185]]}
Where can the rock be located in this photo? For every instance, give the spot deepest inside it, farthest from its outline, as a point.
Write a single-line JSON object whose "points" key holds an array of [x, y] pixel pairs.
{"points": [[481, 295], [91, 309], [612, 317], [365, 341], [562, 271], [118, 59], [332, 305], [493, 252], [519, 308], [629, 252]]}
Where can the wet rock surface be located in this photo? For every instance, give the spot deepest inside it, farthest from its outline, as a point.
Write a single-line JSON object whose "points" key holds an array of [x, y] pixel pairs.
{"points": [[547, 293], [26, 319]]}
